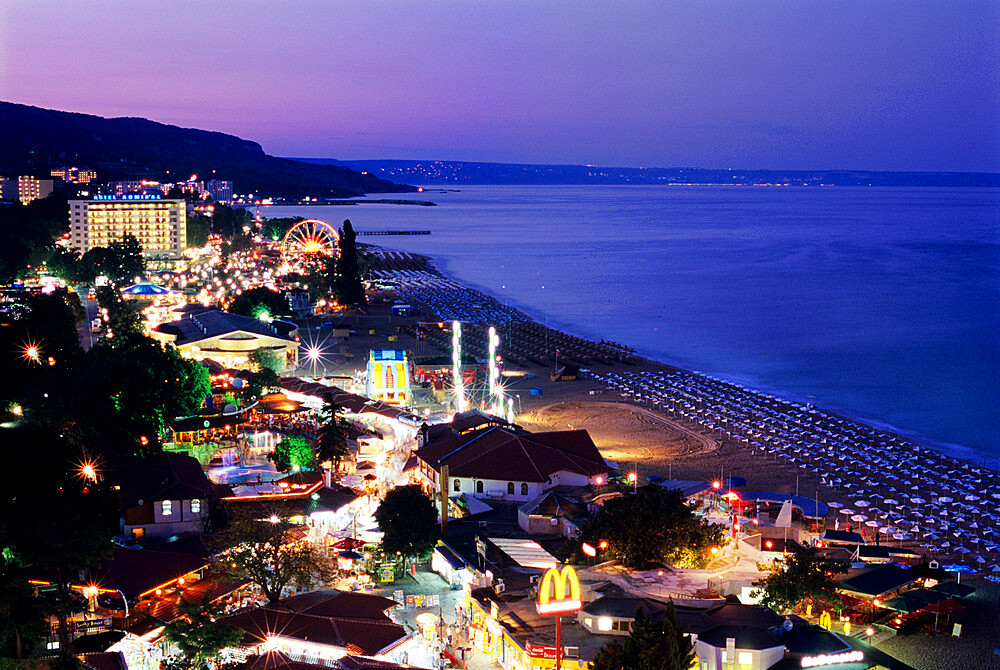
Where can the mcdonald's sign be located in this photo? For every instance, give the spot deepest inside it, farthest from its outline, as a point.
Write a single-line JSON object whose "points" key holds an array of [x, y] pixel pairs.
{"points": [[826, 621], [559, 592]]}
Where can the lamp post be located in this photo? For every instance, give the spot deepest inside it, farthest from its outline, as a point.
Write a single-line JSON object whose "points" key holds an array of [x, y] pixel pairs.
{"points": [[634, 478]]}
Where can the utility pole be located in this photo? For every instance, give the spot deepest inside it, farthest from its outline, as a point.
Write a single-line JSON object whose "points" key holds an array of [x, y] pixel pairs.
{"points": [[444, 500]]}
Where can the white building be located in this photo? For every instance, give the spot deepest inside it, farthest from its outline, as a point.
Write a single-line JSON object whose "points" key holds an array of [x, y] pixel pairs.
{"points": [[159, 225], [488, 458]]}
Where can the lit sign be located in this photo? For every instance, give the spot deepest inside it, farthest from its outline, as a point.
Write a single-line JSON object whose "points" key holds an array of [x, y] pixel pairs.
{"points": [[832, 659], [129, 196], [559, 592]]}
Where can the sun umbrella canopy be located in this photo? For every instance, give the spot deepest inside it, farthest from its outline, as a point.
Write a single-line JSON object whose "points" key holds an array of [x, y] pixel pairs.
{"points": [[954, 589], [901, 604]]}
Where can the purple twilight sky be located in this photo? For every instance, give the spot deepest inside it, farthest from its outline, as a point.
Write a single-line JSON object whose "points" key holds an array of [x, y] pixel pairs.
{"points": [[897, 85]]}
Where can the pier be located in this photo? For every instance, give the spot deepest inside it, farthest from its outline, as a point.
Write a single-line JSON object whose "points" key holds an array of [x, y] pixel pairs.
{"points": [[393, 232]]}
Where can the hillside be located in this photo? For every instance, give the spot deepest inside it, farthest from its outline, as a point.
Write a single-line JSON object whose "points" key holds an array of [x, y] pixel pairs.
{"points": [[33, 140], [436, 172]]}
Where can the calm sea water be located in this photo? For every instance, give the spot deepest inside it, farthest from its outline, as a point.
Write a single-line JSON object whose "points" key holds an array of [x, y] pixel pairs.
{"points": [[883, 303]]}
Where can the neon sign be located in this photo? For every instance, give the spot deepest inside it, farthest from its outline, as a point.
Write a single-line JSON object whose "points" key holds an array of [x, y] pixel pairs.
{"points": [[559, 592]]}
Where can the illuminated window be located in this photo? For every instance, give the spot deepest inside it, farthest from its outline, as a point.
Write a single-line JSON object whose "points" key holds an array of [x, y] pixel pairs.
{"points": [[604, 625], [745, 658], [167, 507], [195, 506]]}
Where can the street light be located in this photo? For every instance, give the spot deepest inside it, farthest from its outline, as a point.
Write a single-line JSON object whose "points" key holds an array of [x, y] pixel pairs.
{"points": [[313, 353], [634, 478]]}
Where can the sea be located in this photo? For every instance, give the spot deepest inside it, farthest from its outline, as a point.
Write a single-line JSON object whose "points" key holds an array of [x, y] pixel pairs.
{"points": [[882, 304]]}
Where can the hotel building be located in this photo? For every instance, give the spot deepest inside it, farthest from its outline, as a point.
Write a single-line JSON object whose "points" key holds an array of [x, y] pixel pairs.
{"points": [[72, 175], [32, 188], [159, 225]]}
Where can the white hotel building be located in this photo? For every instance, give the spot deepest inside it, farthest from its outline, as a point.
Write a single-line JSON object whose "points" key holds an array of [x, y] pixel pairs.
{"points": [[159, 225]]}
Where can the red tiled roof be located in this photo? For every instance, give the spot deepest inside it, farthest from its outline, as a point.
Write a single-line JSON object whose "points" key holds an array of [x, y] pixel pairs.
{"points": [[136, 571], [340, 604], [276, 660], [500, 453], [352, 621]]}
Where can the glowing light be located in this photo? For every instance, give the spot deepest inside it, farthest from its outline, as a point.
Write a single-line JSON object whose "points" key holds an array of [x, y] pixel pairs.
{"points": [[632, 477], [16, 410], [589, 550], [716, 485], [603, 544], [559, 592], [274, 518], [31, 352], [769, 544], [88, 471], [456, 364]]}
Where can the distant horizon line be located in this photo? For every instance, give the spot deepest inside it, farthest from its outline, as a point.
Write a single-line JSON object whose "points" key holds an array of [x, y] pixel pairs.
{"points": [[629, 167]]}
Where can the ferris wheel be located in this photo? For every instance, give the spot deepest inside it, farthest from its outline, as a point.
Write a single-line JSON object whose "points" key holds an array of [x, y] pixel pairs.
{"points": [[309, 238]]}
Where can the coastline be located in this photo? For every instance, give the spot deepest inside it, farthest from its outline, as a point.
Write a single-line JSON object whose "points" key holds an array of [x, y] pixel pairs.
{"points": [[638, 432], [952, 450]]}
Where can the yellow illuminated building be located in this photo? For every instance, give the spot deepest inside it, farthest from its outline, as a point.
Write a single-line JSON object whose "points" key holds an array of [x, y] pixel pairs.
{"points": [[72, 175], [159, 225], [32, 188]]}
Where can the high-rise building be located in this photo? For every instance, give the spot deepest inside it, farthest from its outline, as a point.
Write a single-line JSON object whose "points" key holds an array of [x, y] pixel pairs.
{"points": [[136, 187], [159, 225], [8, 189], [221, 191], [72, 175], [31, 188]]}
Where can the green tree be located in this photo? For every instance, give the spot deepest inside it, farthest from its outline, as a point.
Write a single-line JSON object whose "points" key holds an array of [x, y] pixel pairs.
{"points": [[21, 611], [264, 359], [122, 320], [121, 262], [54, 523], [332, 444], [409, 520], [802, 576], [263, 552], [28, 231], [197, 230], [259, 382], [258, 302], [651, 526], [293, 453], [346, 281], [652, 644], [199, 635]]}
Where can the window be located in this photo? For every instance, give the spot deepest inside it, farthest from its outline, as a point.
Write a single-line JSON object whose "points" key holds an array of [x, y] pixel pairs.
{"points": [[458, 484], [524, 488], [196, 506], [479, 487], [167, 507], [510, 488], [604, 624], [745, 658], [621, 625]]}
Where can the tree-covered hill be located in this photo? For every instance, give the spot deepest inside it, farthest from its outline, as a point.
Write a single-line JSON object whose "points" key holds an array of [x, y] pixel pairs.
{"points": [[33, 140]]}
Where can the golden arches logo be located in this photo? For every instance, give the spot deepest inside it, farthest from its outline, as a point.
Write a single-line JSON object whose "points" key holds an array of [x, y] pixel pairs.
{"points": [[559, 592], [826, 621]]}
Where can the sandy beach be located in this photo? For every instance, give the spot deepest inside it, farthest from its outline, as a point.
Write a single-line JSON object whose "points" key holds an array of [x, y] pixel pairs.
{"points": [[646, 437]]}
